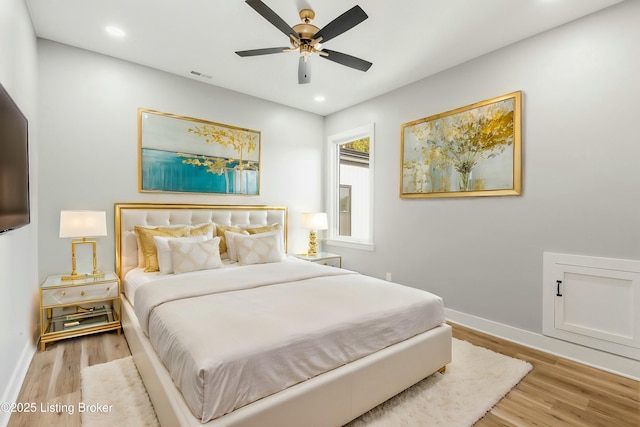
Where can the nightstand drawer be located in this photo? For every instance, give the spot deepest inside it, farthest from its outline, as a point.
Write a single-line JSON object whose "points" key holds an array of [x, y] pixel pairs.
{"points": [[76, 294], [331, 262], [323, 258]]}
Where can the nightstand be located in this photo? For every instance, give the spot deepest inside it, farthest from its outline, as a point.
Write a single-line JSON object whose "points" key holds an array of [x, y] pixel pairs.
{"points": [[78, 307], [324, 258]]}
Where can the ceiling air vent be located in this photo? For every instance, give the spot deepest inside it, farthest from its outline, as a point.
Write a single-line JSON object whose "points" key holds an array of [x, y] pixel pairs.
{"points": [[199, 74]]}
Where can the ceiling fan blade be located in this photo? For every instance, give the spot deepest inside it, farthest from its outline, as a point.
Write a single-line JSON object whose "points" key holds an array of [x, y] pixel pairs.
{"points": [[265, 51], [272, 17], [304, 70], [342, 23], [348, 60]]}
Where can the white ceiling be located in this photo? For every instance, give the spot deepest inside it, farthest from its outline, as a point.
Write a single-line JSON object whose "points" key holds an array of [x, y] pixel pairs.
{"points": [[406, 40]]}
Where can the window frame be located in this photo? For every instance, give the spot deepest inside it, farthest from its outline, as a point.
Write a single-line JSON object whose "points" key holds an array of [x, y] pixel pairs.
{"points": [[333, 187]]}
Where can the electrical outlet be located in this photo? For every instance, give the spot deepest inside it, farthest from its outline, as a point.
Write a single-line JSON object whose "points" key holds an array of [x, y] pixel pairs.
{"points": [[388, 277]]}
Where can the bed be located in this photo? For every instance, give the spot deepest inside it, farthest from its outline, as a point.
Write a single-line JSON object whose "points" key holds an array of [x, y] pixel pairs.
{"points": [[306, 354]]}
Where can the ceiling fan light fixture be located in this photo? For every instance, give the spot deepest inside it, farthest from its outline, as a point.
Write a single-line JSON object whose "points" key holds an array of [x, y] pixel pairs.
{"points": [[306, 50]]}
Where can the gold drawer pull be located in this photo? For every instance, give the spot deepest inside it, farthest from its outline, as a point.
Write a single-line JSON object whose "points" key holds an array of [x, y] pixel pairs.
{"points": [[108, 289], [81, 293], [63, 293]]}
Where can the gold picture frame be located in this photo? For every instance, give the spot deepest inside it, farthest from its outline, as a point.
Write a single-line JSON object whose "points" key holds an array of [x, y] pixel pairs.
{"points": [[180, 154], [470, 151]]}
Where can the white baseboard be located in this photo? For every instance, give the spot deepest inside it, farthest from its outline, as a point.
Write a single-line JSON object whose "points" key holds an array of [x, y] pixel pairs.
{"points": [[587, 356], [10, 393]]}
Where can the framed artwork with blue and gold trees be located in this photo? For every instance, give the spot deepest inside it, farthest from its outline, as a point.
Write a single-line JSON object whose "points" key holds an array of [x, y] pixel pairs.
{"points": [[187, 155]]}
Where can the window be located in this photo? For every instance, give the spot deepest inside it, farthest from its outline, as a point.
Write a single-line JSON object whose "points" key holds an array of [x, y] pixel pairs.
{"points": [[350, 195]]}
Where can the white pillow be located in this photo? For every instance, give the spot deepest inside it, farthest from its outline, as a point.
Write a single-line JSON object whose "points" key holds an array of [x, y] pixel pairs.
{"points": [[259, 248], [194, 256], [231, 244], [164, 251]]}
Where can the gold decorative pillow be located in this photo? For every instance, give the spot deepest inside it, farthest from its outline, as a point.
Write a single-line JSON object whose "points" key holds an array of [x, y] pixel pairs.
{"points": [[148, 246], [263, 229], [220, 229], [195, 256], [202, 230]]}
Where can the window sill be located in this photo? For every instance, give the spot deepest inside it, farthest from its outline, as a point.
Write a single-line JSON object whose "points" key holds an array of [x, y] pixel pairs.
{"points": [[351, 244]]}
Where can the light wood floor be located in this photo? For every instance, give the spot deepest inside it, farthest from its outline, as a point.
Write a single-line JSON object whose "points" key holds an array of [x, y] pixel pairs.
{"points": [[54, 377], [557, 392]]}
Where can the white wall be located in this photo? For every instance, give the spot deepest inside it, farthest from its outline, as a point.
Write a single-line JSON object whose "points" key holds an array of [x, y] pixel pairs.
{"points": [[580, 171], [18, 248], [89, 143]]}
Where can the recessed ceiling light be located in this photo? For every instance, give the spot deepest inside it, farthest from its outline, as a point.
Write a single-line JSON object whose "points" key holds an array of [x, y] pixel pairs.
{"points": [[319, 98], [115, 31]]}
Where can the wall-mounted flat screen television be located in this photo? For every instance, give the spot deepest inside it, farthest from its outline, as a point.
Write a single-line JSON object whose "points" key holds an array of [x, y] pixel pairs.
{"points": [[14, 165]]}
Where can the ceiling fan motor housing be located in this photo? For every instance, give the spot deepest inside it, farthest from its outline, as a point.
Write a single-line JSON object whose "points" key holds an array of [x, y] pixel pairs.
{"points": [[305, 29]]}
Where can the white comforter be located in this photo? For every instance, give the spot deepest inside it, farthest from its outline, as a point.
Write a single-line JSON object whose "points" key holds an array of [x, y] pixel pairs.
{"points": [[232, 336]]}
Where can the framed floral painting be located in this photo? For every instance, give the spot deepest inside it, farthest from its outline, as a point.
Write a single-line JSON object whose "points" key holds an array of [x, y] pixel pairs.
{"points": [[471, 151], [187, 155]]}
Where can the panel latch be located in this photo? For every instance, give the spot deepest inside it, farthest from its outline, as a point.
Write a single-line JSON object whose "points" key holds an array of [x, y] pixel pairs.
{"points": [[558, 283]]}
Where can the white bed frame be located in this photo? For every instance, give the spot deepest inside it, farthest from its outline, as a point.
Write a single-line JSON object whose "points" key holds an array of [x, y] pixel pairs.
{"points": [[330, 399]]}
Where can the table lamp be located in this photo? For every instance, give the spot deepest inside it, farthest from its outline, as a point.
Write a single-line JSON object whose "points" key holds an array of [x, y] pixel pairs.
{"points": [[313, 222], [80, 225]]}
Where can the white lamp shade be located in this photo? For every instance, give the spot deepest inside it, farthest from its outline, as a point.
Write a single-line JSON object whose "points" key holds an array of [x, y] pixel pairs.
{"points": [[83, 224], [315, 221]]}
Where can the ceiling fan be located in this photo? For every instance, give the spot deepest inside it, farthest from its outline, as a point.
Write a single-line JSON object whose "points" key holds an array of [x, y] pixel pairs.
{"points": [[307, 38]]}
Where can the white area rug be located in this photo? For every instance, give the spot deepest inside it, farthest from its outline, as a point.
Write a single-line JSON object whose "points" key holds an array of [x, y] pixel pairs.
{"points": [[474, 382], [120, 399]]}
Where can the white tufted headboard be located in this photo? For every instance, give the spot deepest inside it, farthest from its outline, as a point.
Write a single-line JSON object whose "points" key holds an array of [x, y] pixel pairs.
{"points": [[128, 215]]}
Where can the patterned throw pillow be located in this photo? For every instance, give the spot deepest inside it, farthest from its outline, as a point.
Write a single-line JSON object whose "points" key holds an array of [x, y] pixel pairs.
{"points": [[220, 229], [195, 256], [148, 246], [259, 248], [232, 253], [164, 251], [266, 229]]}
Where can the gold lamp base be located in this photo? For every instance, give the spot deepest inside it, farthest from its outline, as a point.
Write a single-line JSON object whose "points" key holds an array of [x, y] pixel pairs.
{"points": [[74, 273], [313, 244]]}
